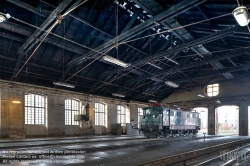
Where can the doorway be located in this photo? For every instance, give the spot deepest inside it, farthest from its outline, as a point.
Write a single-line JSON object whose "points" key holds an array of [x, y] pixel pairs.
{"points": [[227, 120]]}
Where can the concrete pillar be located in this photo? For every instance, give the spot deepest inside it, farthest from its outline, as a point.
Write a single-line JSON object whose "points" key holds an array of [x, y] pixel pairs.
{"points": [[11, 114], [55, 115], [243, 118], [211, 120], [91, 110], [134, 115]]}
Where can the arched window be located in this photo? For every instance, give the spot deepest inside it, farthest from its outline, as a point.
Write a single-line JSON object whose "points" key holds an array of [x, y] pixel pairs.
{"points": [[99, 114], [140, 112], [212, 90], [71, 109], [34, 109], [121, 115]]}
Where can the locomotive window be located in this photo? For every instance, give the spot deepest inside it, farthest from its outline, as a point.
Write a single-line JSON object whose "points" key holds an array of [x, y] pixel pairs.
{"points": [[164, 112], [147, 111], [171, 113], [179, 114]]}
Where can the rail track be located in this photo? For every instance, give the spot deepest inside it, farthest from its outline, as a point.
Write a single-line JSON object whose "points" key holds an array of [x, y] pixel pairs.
{"points": [[229, 157], [195, 157], [141, 141], [137, 143]]}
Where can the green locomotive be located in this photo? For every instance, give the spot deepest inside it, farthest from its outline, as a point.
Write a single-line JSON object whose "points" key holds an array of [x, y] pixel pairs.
{"points": [[162, 121]]}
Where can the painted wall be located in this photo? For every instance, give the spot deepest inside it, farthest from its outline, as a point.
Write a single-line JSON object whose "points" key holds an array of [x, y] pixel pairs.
{"points": [[12, 115], [226, 89]]}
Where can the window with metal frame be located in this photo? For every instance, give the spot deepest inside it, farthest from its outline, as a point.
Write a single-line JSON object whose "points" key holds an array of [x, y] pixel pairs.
{"points": [[121, 115], [35, 109], [99, 114], [72, 108], [140, 113], [212, 90]]}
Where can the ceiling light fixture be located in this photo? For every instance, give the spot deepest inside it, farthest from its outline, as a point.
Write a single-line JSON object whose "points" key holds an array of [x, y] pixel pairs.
{"points": [[156, 79], [241, 15], [16, 101], [118, 94], [155, 65], [4, 17], [172, 84], [171, 60], [218, 101], [115, 61], [145, 93], [64, 84], [152, 101], [200, 95]]}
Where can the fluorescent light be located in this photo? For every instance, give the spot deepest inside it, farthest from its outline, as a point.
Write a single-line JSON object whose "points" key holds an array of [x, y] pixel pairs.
{"points": [[148, 94], [241, 15], [118, 95], [172, 84], [218, 101], [156, 79], [171, 60], [137, 6], [64, 84], [16, 101], [4, 17], [152, 101], [200, 95], [115, 61], [155, 65], [175, 105]]}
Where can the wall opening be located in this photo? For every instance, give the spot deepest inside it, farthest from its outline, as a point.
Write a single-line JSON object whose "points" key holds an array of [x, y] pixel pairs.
{"points": [[227, 120], [204, 118]]}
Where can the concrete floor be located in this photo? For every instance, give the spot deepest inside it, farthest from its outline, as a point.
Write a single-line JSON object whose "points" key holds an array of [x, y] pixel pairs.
{"points": [[103, 150]]}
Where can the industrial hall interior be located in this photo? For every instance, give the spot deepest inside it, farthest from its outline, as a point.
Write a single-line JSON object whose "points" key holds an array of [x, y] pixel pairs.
{"points": [[124, 82]]}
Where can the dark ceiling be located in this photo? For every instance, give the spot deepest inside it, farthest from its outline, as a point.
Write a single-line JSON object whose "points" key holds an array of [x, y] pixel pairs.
{"points": [[189, 42]]}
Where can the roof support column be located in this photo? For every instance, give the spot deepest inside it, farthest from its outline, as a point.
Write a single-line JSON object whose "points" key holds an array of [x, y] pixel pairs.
{"points": [[243, 118], [211, 120]]}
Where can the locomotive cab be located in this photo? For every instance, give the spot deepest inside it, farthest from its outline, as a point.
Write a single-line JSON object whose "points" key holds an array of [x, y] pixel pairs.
{"points": [[151, 122]]}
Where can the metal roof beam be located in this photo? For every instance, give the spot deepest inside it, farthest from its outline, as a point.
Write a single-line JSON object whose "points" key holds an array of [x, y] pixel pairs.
{"points": [[182, 33], [203, 40], [204, 13], [26, 46], [191, 65], [52, 40], [30, 42], [171, 12], [28, 7]]}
